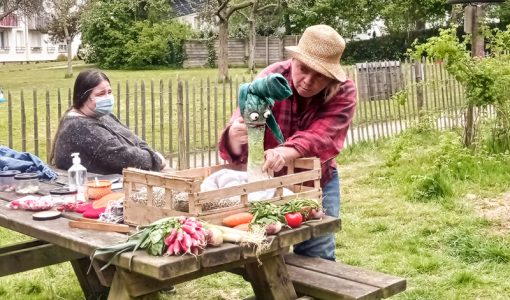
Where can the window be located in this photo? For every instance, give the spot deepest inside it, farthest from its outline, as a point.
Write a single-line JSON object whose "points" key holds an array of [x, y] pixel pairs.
{"points": [[4, 40], [35, 39], [62, 48], [20, 40]]}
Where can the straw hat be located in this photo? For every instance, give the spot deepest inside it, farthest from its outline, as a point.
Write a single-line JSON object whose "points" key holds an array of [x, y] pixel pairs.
{"points": [[321, 48]]}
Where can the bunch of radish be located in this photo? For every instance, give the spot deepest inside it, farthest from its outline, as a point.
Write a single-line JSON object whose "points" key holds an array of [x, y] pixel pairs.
{"points": [[187, 237]]}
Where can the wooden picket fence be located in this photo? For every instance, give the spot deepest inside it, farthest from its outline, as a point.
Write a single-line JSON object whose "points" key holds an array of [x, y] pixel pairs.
{"points": [[183, 119]]}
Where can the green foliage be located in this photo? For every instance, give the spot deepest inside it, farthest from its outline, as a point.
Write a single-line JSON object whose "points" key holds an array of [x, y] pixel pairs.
{"points": [[430, 187], [409, 15], [61, 57], [485, 80], [387, 47], [127, 33], [473, 248], [157, 44], [211, 52]]}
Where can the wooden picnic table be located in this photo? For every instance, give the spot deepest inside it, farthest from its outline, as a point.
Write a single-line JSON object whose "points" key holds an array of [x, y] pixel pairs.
{"points": [[56, 242]]}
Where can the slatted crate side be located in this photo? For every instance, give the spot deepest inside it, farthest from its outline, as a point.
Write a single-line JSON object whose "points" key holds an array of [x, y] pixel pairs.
{"points": [[188, 181]]}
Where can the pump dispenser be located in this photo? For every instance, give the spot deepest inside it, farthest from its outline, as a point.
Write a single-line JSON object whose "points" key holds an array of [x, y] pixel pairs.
{"points": [[77, 175]]}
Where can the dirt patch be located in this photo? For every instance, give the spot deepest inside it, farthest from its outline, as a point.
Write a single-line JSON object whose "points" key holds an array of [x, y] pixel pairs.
{"points": [[494, 209]]}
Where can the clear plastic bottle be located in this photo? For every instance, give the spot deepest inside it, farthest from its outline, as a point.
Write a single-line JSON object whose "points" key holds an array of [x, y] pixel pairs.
{"points": [[78, 178]]}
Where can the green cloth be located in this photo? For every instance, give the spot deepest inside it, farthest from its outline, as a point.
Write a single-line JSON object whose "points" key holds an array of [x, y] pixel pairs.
{"points": [[260, 95]]}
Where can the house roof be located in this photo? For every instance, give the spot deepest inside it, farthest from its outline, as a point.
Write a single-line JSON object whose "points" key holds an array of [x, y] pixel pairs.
{"points": [[184, 7]]}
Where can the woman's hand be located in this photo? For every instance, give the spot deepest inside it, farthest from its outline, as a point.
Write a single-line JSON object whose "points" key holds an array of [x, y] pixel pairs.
{"points": [[163, 160], [237, 135]]}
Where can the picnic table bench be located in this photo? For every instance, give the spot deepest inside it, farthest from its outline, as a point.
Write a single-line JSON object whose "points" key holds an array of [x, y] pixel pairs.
{"points": [[273, 275]]}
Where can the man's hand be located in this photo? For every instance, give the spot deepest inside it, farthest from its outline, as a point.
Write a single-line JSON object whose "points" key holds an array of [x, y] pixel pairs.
{"points": [[277, 158], [274, 160], [237, 135]]}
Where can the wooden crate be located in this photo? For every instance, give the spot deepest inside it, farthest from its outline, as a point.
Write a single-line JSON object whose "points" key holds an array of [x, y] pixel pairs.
{"points": [[188, 181]]}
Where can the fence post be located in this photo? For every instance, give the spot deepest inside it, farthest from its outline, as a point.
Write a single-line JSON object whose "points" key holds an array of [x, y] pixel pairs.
{"points": [[181, 145], [419, 86], [48, 127], [267, 51]]}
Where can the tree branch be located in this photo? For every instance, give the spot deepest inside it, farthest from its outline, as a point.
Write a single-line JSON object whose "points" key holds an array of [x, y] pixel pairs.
{"points": [[243, 14], [266, 7], [11, 10], [234, 8], [222, 6]]}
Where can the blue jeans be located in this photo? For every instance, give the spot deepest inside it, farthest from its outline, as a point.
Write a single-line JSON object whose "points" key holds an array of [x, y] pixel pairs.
{"points": [[324, 246]]}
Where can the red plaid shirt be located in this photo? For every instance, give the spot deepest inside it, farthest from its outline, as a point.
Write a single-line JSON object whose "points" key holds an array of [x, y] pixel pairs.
{"points": [[314, 128]]}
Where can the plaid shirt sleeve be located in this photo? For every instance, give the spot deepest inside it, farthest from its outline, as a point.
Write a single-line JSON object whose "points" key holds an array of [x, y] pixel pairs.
{"points": [[325, 136]]}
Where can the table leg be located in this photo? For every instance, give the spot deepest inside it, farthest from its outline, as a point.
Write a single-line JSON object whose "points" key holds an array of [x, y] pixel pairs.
{"points": [[130, 286], [271, 279], [90, 284]]}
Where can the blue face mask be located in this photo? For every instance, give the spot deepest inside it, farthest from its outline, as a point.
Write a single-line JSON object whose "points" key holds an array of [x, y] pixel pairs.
{"points": [[104, 106]]}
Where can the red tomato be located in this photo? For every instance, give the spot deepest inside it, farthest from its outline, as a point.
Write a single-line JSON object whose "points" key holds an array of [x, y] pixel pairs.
{"points": [[294, 219]]}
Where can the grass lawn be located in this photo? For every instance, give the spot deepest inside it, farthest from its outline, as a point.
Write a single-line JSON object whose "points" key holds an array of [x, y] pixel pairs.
{"points": [[399, 216]]}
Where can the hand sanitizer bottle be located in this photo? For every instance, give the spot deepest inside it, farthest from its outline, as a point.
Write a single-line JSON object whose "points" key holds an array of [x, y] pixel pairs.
{"points": [[78, 178]]}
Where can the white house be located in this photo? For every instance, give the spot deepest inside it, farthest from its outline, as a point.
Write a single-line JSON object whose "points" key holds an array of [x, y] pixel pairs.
{"points": [[22, 41]]}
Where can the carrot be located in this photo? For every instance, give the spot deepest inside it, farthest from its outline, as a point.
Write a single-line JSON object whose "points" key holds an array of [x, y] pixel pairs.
{"points": [[243, 227], [238, 219]]}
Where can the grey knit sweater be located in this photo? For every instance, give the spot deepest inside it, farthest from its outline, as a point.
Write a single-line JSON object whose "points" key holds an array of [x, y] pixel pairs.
{"points": [[105, 145]]}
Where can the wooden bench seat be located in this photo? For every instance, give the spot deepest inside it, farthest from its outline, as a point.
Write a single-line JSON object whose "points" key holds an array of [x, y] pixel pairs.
{"points": [[324, 279]]}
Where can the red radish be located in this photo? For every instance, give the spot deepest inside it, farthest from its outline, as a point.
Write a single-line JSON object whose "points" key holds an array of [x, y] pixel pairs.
{"points": [[294, 219], [171, 237], [317, 214], [273, 228]]}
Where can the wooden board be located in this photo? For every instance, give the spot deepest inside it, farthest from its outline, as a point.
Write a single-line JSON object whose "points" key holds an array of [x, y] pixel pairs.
{"points": [[34, 256], [324, 226], [328, 287], [389, 285]]}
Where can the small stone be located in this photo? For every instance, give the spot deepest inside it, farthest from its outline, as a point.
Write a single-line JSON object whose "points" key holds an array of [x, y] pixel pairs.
{"points": [[471, 197]]}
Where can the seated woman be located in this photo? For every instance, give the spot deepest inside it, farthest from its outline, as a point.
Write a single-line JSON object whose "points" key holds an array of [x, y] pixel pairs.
{"points": [[105, 145]]}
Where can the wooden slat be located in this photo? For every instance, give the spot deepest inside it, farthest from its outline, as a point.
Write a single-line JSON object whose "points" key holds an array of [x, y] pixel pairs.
{"points": [[22, 245], [288, 237], [34, 257], [387, 284], [327, 287], [324, 226]]}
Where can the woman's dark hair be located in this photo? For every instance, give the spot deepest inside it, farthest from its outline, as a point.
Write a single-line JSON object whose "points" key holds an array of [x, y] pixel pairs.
{"points": [[85, 82]]}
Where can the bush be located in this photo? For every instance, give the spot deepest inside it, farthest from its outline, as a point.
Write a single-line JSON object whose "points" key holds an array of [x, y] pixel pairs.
{"points": [[389, 47], [118, 37], [157, 44], [61, 57]]}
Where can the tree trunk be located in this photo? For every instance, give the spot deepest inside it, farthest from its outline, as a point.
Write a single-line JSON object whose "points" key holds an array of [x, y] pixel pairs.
{"points": [[69, 42], [477, 50], [223, 51], [252, 36], [69, 59], [286, 18]]}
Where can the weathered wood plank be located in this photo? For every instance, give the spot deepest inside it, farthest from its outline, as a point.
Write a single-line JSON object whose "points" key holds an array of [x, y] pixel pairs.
{"points": [[327, 287], [288, 237], [89, 282], [214, 256], [121, 288], [33, 257], [389, 285], [324, 226], [271, 280], [21, 246]]}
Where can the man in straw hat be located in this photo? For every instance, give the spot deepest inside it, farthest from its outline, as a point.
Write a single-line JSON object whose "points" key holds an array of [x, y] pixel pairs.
{"points": [[314, 120]]}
